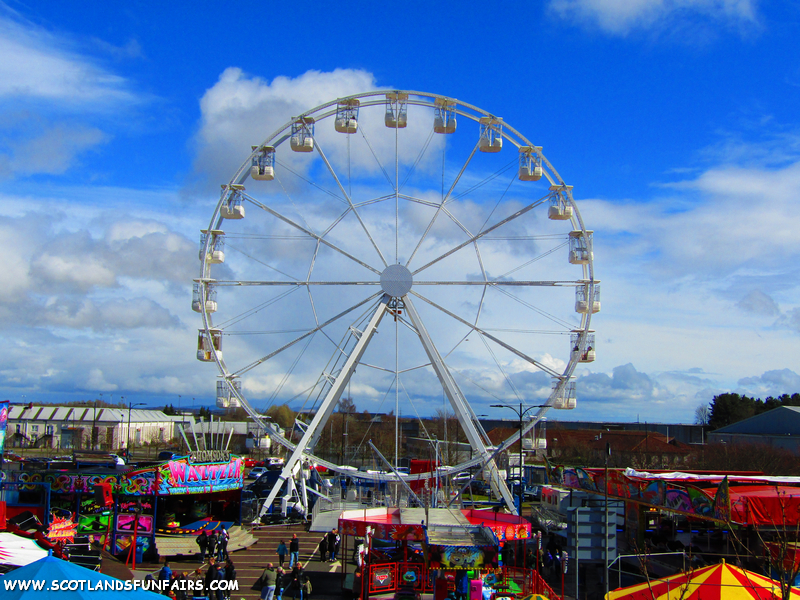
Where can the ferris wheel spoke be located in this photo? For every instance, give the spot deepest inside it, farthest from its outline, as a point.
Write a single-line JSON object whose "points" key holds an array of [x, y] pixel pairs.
{"points": [[311, 234], [350, 202], [309, 182], [496, 340], [478, 236], [545, 314], [419, 201], [377, 200], [263, 359], [443, 202]]}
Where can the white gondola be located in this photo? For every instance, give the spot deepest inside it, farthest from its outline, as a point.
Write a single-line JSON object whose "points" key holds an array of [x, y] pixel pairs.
{"points": [[209, 344], [444, 119], [585, 352], [303, 134], [216, 246], [565, 398], [587, 298], [396, 110], [263, 166], [233, 206], [530, 163], [197, 297], [560, 208], [226, 398], [580, 248], [491, 134], [537, 444], [347, 116]]}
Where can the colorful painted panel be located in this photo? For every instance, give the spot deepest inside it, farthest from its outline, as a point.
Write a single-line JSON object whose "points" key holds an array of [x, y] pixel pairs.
{"points": [[382, 531], [140, 482], [127, 522], [91, 524], [182, 477], [123, 543], [463, 557], [382, 578], [3, 423]]}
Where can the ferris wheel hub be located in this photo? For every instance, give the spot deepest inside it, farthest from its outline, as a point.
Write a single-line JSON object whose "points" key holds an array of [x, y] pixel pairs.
{"points": [[396, 281]]}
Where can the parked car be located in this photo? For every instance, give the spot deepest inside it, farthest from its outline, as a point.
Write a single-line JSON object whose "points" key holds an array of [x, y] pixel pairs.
{"points": [[479, 487], [167, 455], [256, 472], [462, 478]]}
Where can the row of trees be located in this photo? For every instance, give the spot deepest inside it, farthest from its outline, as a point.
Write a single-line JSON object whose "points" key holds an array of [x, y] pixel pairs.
{"points": [[347, 433], [727, 409]]}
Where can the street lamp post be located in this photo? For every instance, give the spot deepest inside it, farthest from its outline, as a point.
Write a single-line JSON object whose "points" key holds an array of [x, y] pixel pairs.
{"points": [[521, 414], [521, 495], [128, 443]]}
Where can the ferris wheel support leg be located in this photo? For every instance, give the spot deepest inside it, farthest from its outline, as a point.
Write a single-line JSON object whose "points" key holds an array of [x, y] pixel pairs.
{"points": [[460, 406], [314, 429]]}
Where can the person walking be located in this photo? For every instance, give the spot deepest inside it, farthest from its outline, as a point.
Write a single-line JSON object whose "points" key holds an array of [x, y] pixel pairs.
{"points": [[202, 541], [211, 575], [323, 548], [280, 583], [165, 574], [221, 575], [332, 539], [222, 544], [281, 553], [294, 551], [230, 576], [299, 582], [269, 581], [212, 545]]}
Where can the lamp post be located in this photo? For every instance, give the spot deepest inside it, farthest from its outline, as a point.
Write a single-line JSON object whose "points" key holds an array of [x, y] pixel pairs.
{"points": [[521, 414], [521, 495], [605, 529], [128, 443]]}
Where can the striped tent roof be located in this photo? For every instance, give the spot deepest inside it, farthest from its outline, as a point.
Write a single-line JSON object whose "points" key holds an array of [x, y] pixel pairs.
{"points": [[721, 581]]}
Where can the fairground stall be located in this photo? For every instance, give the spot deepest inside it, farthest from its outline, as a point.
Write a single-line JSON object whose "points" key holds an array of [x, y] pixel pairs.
{"points": [[410, 551], [114, 507]]}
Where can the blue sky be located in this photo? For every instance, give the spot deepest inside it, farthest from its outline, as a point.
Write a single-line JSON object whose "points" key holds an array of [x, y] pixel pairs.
{"points": [[676, 121]]}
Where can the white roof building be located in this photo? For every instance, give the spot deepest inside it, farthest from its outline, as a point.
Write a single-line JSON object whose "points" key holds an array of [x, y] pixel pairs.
{"points": [[73, 426]]}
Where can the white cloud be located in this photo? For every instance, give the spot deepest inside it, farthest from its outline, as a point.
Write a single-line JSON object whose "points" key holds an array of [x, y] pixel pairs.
{"points": [[38, 65], [772, 383], [241, 110], [37, 147], [56, 101], [97, 382], [620, 17], [760, 303]]}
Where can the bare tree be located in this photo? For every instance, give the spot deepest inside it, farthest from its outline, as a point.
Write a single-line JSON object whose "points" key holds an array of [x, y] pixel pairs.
{"points": [[702, 414]]}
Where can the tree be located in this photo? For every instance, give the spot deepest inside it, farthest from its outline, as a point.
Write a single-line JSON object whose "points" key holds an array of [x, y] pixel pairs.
{"points": [[282, 415], [702, 414], [346, 405], [448, 431], [730, 408]]}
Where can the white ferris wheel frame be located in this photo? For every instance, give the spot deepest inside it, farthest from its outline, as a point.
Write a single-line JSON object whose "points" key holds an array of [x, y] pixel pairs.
{"points": [[396, 284]]}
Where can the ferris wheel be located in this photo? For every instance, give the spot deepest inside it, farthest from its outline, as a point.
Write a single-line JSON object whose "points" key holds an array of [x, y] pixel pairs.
{"points": [[407, 245]]}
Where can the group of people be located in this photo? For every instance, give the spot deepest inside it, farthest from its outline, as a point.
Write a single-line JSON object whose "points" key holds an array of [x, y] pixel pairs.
{"points": [[329, 546], [293, 551], [214, 571], [214, 544], [275, 582]]}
